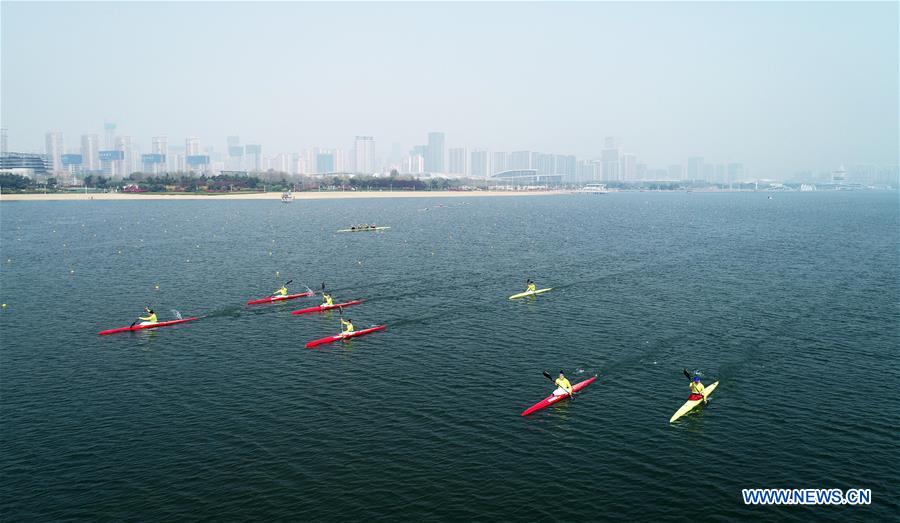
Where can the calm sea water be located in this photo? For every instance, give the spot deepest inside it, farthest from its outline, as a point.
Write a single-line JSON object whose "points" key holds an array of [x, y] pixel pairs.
{"points": [[792, 303]]}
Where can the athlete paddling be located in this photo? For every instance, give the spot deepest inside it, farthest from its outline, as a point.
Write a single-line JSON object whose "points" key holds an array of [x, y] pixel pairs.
{"points": [[327, 300], [281, 292], [696, 387], [564, 386], [347, 325], [149, 319], [531, 286]]}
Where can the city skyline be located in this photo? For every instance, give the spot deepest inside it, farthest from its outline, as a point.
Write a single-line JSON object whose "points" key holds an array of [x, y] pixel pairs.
{"points": [[120, 156], [720, 80]]}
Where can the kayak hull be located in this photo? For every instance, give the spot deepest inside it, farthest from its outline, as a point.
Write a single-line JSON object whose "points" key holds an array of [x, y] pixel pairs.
{"points": [[149, 326], [340, 337], [323, 308], [271, 299], [365, 230], [551, 399], [530, 293], [690, 405]]}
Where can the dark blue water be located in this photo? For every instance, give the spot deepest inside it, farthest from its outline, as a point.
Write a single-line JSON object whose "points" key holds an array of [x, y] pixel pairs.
{"points": [[792, 303]]}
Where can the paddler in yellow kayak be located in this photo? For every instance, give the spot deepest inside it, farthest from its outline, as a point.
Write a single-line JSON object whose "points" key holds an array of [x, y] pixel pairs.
{"points": [[348, 326], [564, 386], [697, 388], [531, 286]]}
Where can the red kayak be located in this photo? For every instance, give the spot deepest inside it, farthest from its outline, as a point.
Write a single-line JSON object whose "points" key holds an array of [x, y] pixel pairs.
{"points": [[322, 308], [270, 299], [148, 326], [336, 337], [551, 399]]}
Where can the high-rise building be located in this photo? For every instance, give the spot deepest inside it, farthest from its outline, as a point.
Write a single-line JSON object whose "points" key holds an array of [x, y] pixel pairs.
{"points": [[90, 152], [325, 162], [695, 168], [499, 162], [253, 157], [588, 171], [160, 145], [364, 154], [458, 161], [566, 166], [544, 163], [434, 159], [709, 172], [155, 162], [611, 158], [4, 145], [519, 160], [479, 164], [126, 162], [110, 130], [192, 146], [54, 151], [629, 167]]}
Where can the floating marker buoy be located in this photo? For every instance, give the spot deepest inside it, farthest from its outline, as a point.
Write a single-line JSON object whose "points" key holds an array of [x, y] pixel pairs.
{"points": [[71, 271]]}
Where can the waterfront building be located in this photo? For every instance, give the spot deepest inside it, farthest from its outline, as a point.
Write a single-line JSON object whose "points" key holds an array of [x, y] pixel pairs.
{"points": [[364, 154], [434, 157]]}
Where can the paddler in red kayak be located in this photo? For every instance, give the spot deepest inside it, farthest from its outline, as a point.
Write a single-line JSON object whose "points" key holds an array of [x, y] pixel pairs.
{"points": [[281, 292], [147, 320], [564, 386], [327, 300], [348, 326]]}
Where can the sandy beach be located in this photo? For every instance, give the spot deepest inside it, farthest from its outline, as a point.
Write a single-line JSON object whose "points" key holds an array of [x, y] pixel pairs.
{"points": [[271, 195]]}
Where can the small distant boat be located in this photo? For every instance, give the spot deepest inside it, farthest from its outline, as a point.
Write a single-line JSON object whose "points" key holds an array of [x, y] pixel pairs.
{"points": [[363, 229], [287, 197], [594, 188]]}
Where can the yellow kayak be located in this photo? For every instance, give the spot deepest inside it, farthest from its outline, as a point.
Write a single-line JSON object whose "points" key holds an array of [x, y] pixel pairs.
{"points": [[690, 404], [530, 293]]}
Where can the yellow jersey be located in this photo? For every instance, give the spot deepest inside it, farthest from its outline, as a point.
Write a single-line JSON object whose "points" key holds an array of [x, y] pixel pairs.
{"points": [[564, 384], [697, 388], [151, 318]]}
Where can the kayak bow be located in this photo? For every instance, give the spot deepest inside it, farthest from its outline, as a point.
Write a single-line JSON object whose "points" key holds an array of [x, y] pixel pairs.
{"points": [[691, 404], [553, 398], [331, 339], [530, 293], [148, 326], [322, 308], [270, 299]]}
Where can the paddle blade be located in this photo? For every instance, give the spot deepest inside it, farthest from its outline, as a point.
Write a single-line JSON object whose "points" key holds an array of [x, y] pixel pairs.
{"points": [[686, 373], [548, 376]]}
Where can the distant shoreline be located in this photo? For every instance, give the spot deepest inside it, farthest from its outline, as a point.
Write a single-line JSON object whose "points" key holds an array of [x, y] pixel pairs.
{"points": [[330, 195]]}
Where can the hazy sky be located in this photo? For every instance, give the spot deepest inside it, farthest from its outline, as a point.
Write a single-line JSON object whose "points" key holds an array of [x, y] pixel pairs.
{"points": [[780, 86]]}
